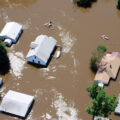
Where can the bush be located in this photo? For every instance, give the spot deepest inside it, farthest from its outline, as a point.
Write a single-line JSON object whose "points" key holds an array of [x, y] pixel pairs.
{"points": [[101, 48], [96, 57], [118, 4]]}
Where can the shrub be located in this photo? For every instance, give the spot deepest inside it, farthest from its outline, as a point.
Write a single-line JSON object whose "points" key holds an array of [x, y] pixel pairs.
{"points": [[95, 59], [101, 48]]}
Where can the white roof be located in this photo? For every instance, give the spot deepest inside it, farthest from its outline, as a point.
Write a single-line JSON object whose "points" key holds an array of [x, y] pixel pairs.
{"points": [[44, 48], [16, 103], [11, 30]]}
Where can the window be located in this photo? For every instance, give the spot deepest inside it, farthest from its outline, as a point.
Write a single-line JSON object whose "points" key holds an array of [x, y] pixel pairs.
{"points": [[33, 61], [38, 62], [35, 57]]}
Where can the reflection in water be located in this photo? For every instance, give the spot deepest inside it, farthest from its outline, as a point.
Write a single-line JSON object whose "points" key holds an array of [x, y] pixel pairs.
{"points": [[17, 63], [4, 16], [118, 13], [63, 110], [17, 2], [47, 116], [26, 24], [107, 1], [67, 39]]}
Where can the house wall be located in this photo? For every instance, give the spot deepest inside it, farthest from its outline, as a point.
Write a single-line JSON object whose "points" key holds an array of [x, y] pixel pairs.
{"points": [[34, 59], [2, 37]]}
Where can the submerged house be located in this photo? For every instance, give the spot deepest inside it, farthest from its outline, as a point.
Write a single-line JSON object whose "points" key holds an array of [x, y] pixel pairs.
{"points": [[41, 49], [11, 32], [16, 103], [108, 68]]}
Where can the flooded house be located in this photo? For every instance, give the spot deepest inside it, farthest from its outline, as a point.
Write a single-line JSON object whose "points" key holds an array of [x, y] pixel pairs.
{"points": [[11, 32], [108, 68], [16, 103], [41, 49]]}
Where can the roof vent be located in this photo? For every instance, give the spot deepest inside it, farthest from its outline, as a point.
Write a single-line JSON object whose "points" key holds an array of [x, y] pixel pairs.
{"points": [[33, 45]]}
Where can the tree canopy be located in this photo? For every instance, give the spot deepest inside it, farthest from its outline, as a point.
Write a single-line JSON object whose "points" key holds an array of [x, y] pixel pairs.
{"points": [[102, 105], [96, 57], [101, 48]]}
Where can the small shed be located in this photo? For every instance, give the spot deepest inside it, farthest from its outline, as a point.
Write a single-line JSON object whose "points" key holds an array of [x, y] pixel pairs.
{"points": [[8, 42], [12, 31], [16, 103], [41, 49]]}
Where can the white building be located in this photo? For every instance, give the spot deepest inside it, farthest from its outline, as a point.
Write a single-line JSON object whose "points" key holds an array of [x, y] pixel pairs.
{"points": [[41, 49], [16, 103], [117, 109], [100, 118], [11, 32]]}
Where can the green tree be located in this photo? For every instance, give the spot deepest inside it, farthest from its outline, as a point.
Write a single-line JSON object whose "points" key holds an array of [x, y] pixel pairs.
{"points": [[94, 90], [4, 60], [102, 105], [101, 48], [118, 4], [84, 3], [96, 57]]}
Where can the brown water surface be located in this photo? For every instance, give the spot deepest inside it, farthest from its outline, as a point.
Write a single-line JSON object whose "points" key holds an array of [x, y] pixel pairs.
{"points": [[60, 89]]}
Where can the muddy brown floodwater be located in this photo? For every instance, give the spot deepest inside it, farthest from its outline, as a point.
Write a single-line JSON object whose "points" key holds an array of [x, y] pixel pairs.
{"points": [[60, 89]]}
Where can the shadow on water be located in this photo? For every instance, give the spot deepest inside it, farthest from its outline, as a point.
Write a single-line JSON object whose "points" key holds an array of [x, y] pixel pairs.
{"points": [[85, 5], [5, 67], [84, 9], [21, 2], [118, 13]]}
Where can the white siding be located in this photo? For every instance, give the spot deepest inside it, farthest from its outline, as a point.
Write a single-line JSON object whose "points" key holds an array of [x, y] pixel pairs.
{"points": [[34, 59]]}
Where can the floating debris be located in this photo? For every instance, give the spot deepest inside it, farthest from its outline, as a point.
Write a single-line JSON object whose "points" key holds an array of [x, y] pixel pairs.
{"points": [[104, 37], [49, 25], [57, 53]]}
